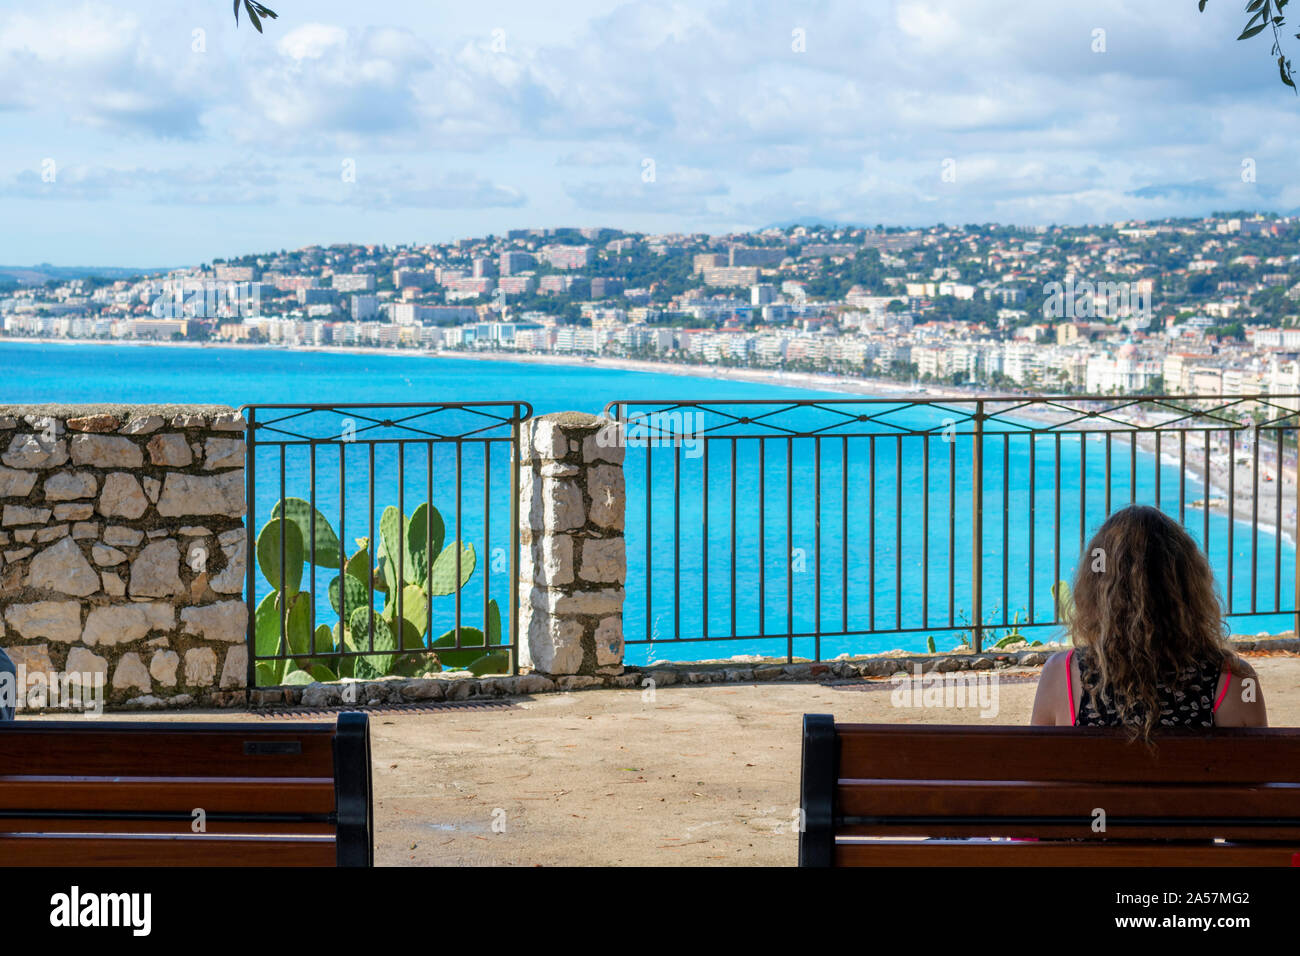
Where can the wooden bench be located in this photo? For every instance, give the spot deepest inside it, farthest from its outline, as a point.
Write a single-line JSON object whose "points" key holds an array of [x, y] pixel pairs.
{"points": [[929, 795], [92, 793]]}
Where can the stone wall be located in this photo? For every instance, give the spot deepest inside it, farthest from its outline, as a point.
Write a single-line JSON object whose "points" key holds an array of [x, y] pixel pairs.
{"points": [[122, 550], [573, 564]]}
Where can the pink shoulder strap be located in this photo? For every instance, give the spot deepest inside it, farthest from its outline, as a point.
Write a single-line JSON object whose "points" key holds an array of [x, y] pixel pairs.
{"points": [[1069, 686], [1223, 693]]}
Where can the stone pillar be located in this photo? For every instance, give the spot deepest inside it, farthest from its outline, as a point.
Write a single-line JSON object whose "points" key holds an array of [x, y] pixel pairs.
{"points": [[573, 562]]}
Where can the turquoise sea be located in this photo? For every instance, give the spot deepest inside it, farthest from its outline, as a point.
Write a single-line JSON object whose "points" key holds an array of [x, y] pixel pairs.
{"points": [[783, 566]]}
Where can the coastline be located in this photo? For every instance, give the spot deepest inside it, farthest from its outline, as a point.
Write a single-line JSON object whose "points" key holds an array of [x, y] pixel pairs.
{"points": [[876, 388], [883, 389]]}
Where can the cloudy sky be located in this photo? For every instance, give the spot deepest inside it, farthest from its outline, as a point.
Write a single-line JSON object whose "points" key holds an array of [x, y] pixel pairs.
{"points": [[158, 134]]}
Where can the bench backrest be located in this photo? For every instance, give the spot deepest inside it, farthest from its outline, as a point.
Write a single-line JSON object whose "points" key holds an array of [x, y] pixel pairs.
{"points": [[933, 795], [93, 792]]}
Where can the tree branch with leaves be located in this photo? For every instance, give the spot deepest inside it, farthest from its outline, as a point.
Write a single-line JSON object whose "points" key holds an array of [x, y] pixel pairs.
{"points": [[256, 12], [1264, 15]]}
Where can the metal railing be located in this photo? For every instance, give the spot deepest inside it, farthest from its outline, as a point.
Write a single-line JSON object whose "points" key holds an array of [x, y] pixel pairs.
{"points": [[825, 525], [320, 472]]}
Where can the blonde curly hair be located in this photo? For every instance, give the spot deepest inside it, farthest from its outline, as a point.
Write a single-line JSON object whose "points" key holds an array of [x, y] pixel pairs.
{"points": [[1149, 612]]}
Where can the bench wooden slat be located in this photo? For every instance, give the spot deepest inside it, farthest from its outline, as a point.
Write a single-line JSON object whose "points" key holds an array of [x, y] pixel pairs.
{"points": [[213, 794], [164, 827], [940, 853], [938, 793], [1077, 754], [92, 793], [54, 849], [67, 748], [890, 797], [893, 807]]}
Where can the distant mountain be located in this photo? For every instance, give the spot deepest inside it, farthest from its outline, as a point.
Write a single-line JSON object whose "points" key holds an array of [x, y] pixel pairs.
{"points": [[39, 274]]}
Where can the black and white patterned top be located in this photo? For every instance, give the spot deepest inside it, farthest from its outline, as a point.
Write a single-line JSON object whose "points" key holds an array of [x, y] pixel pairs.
{"points": [[1187, 699]]}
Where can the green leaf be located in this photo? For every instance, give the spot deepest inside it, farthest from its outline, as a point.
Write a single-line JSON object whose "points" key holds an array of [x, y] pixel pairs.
{"points": [[497, 662], [327, 543], [472, 641], [268, 554], [392, 527], [297, 624], [269, 673], [424, 536], [377, 664], [324, 639], [1251, 31], [266, 626], [298, 678], [415, 612], [359, 567], [355, 594], [322, 673], [444, 570]]}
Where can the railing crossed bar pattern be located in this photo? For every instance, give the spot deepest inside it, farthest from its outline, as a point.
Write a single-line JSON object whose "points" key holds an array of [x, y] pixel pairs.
{"points": [[405, 450], [863, 466]]}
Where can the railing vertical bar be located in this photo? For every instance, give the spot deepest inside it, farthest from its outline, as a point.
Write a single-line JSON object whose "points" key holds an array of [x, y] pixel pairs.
{"points": [[516, 428], [1033, 508], [1279, 479], [898, 534], [844, 532], [704, 622], [487, 543], [1083, 490], [399, 585], [1207, 489], [428, 540], [343, 553], [871, 551], [817, 546], [1006, 519], [677, 533], [977, 528], [650, 633], [1056, 547], [1182, 477], [1295, 534], [1132, 466], [952, 531], [1157, 468], [250, 543], [762, 536], [789, 550], [1109, 472], [283, 610], [735, 550], [372, 546], [925, 531], [1232, 513], [459, 533], [311, 455], [1254, 518]]}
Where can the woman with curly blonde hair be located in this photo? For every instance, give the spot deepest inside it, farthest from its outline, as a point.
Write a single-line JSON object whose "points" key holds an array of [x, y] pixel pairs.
{"points": [[1150, 643]]}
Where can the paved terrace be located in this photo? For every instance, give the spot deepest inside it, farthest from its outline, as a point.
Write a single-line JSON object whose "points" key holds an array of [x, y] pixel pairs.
{"points": [[706, 774]]}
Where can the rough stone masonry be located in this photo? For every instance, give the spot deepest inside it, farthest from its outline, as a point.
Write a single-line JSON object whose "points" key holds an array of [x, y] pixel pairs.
{"points": [[122, 549], [574, 563]]}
